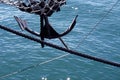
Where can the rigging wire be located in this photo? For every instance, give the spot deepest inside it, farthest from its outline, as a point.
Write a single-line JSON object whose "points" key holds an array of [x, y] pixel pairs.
{"points": [[95, 26], [33, 66], [56, 58]]}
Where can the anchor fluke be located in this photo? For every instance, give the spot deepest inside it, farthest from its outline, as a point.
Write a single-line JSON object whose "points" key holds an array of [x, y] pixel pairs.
{"points": [[70, 27], [48, 31]]}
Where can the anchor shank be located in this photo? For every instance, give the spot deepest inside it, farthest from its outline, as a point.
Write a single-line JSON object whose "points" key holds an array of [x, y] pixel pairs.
{"points": [[41, 29]]}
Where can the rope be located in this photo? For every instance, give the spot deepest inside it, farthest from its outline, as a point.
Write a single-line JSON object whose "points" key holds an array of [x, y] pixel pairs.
{"points": [[33, 39], [61, 48], [94, 27], [54, 46]]}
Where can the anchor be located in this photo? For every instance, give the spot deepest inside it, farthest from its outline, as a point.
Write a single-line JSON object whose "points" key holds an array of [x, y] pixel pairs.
{"points": [[23, 26], [44, 10]]}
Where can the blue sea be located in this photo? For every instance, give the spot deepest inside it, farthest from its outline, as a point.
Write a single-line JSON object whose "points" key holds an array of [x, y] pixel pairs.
{"points": [[23, 59]]}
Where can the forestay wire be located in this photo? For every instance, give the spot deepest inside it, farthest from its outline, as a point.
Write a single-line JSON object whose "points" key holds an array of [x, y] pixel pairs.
{"points": [[33, 66], [95, 26], [56, 58], [56, 47]]}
